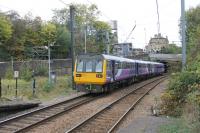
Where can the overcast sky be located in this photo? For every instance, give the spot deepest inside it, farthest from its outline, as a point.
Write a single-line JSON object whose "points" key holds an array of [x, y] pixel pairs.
{"points": [[126, 12]]}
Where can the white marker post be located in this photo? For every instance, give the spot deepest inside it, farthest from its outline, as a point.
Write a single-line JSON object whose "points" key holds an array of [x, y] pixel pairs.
{"points": [[16, 75]]}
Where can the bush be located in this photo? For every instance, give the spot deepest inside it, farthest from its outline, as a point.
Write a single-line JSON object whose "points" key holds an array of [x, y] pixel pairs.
{"points": [[180, 83], [48, 86], [170, 105], [175, 126], [9, 73], [41, 70], [26, 73], [179, 88]]}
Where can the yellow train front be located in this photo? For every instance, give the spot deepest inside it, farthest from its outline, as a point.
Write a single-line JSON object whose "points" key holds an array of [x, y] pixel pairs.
{"points": [[90, 73]]}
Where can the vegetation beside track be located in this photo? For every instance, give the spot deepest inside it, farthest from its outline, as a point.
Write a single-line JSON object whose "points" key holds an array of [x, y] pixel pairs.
{"points": [[44, 91], [182, 98]]}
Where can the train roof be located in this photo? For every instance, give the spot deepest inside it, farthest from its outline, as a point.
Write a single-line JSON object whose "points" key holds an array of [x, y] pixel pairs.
{"points": [[116, 58], [121, 59]]}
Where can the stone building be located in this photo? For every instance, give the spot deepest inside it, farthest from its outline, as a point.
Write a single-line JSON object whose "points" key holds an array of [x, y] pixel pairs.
{"points": [[157, 43]]}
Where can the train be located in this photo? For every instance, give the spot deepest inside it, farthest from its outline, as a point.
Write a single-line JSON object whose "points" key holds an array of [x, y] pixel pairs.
{"points": [[99, 73]]}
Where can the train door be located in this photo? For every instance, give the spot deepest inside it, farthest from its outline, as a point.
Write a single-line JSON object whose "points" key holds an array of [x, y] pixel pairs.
{"points": [[149, 69], [113, 69], [136, 68]]}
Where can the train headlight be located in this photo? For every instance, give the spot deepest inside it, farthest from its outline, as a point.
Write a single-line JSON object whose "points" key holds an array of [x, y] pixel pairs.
{"points": [[99, 76], [78, 75]]}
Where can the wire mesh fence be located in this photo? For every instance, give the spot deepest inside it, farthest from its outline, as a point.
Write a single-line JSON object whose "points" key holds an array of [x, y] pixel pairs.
{"points": [[34, 80]]}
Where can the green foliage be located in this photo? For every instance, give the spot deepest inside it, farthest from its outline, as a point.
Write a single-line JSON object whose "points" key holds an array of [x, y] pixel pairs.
{"points": [[177, 126], [100, 25], [193, 32], [15, 45], [48, 86], [25, 73], [41, 70], [48, 33], [180, 85], [25, 88], [172, 49], [9, 73], [5, 29], [69, 82], [62, 45], [184, 87], [23, 36], [86, 18]]}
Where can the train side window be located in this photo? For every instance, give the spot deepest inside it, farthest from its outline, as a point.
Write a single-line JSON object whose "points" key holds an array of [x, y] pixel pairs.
{"points": [[117, 64], [88, 66], [79, 66], [133, 65], [121, 64]]}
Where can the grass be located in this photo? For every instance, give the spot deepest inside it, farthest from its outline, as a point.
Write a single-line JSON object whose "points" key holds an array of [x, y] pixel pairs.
{"points": [[176, 126], [44, 91]]}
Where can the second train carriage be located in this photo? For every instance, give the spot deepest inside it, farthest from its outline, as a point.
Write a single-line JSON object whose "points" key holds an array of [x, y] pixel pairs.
{"points": [[94, 73]]}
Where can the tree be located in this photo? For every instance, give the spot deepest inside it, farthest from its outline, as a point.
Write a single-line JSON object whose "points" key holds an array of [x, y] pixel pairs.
{"points": [[102, 31], [171, 49], [62, 44], [5, 29], [15, 45], [86, 19], [5, 35], [193, 32], [33, 36], [48, 33]]}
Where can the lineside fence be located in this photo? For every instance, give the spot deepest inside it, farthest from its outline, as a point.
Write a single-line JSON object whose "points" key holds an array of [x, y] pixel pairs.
{"points": [[28, 79]]}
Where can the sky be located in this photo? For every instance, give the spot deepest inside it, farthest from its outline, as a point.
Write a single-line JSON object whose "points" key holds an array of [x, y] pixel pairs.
{"points": [[143, 13]]}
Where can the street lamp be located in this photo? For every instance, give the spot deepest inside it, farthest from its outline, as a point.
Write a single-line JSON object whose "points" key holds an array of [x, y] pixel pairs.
{"points": [[49, 59]]}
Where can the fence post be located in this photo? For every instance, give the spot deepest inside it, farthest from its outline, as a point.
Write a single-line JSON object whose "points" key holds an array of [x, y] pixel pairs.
{"points": [[33, 83], [0, 88], [16, 88]]}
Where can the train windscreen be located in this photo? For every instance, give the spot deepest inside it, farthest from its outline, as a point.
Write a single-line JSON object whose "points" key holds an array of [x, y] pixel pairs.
{"points": [[89, 65]]}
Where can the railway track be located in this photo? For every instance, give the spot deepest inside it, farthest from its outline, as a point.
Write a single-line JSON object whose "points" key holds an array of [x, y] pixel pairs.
{"points": [[28, 120], [109, 117]]}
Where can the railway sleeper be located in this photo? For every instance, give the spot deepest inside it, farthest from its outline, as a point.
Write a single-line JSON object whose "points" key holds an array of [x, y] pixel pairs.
{"points": [[32, 118], [5, 129], [10, 127], [28, 122]]}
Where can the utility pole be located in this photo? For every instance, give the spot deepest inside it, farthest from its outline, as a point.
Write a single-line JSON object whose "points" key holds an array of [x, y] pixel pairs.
{"points": [[85, 39], [183, 24], [107, 41], [158, 23], [72, 11], [49, 62], [12, 64]]}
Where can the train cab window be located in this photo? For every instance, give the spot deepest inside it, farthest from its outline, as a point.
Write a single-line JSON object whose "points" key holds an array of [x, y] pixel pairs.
{"points": [[79, 66], [98, 67], [88, 66]]}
